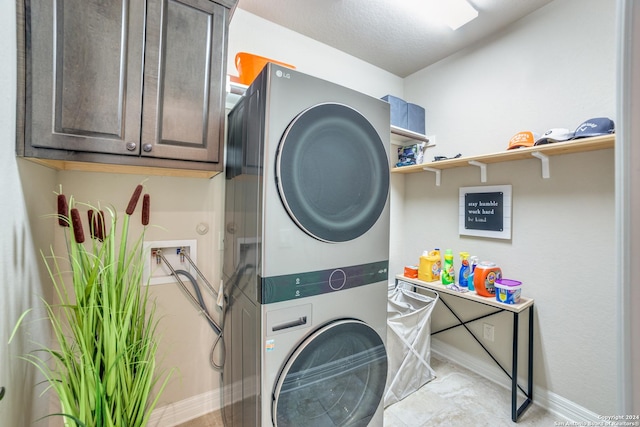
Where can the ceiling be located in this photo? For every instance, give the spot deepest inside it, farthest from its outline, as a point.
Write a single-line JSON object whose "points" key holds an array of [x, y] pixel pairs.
{"points": [[386, 34]]}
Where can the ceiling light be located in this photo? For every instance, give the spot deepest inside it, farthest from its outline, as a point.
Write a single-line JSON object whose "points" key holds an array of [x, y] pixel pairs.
{"points": [[454, 13]]}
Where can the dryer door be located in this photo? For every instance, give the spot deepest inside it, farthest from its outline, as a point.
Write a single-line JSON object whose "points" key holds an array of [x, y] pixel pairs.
{"points": [[336, 377], [332, 172]]}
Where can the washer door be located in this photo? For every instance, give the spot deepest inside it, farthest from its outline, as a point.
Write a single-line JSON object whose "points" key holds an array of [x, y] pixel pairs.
{"points": [[336, 377], [332, 172]]}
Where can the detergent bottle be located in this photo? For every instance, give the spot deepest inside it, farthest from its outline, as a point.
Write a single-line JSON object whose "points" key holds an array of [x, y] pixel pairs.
{"points": [[473, 261], [463, 277], [437, 272], [448, 275], [484, 278], [429, 267], [423, 267]]}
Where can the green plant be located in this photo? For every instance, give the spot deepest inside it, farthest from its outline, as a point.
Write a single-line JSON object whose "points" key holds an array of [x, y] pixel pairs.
{"points": [[103, 363]]}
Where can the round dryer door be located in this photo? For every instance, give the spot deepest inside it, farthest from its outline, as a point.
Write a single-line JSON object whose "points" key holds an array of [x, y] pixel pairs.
{"points": [[332, 172], [336, 377]]}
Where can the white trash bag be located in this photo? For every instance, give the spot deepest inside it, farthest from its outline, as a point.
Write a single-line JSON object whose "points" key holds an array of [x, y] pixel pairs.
{"points": [[408, 343]]}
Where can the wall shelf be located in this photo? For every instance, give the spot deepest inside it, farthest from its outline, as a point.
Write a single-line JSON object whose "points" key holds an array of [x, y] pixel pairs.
{"points": [[402, 136], [542, 152], [235, 91]]}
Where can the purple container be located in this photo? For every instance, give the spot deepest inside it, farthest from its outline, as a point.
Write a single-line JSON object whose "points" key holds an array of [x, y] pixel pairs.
{"points": [[508, 291]]}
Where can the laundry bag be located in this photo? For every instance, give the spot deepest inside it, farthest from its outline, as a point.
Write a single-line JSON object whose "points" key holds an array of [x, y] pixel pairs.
{"points": [[408, 343]]}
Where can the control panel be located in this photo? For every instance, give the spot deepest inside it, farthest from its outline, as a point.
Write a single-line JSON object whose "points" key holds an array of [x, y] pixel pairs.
{"points": [[305, 284]]}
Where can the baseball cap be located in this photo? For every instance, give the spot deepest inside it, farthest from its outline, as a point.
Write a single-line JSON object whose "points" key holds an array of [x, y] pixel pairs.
{"points": [[522, 139], [594, 127], [555, 135]]}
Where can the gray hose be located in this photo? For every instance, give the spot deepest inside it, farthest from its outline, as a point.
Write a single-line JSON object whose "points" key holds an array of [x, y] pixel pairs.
{"points": [[216, 328], [196, 288]]}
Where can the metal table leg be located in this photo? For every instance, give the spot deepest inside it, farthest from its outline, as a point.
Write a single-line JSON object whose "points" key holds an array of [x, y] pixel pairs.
{"points": [[515, 410], [514, 370]]}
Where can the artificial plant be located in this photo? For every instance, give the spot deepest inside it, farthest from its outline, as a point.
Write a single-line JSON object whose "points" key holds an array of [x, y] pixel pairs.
{"points": [[102, 364]]}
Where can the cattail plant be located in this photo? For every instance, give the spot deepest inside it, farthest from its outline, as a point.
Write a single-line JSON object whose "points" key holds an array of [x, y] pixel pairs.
{"points": [[103, 369]]}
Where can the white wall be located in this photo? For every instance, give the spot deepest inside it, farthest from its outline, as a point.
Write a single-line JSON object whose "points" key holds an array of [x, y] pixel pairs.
{"points": [[23, 230], [554, 68], [252, 34]]}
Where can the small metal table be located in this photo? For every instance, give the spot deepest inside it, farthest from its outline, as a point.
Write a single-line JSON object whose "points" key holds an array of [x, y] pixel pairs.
{"points": [[515, 309]]}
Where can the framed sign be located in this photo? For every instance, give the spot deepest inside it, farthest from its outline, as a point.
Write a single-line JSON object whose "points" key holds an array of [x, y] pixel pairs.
{"points": [[485, 211]]}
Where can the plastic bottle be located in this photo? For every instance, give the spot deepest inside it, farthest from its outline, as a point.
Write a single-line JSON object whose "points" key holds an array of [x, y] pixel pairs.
{"points": [[429, 267], [424, 269], [474, 262], [463, 277], [437, 272], [448, 275]]}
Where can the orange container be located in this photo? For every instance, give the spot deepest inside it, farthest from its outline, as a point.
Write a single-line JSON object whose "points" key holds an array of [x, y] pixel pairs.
{"points": [[484, 279], [411, 271], [250, 65]]}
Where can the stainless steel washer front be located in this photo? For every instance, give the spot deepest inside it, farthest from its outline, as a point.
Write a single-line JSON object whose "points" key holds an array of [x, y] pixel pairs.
{"points": [[335, 377]]}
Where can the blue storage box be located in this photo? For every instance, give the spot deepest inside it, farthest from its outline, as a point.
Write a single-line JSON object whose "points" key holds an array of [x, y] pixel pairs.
{"points": [[399, 111], [415, 118]]}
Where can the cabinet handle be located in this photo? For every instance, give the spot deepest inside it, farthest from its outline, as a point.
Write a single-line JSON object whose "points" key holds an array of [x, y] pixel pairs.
{"points": [[1, 392], [131, 146], [147, 147]]}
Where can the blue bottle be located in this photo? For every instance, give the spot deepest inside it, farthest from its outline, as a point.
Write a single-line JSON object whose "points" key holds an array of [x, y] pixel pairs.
{"points": [[474, 263], [463, 277]]}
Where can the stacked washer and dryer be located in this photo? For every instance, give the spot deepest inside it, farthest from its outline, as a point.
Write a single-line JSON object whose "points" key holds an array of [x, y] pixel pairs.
{"points": [[306, 254]]}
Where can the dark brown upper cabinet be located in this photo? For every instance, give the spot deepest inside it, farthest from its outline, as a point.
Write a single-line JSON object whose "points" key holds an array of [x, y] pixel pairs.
{"points": [[123, 82]]}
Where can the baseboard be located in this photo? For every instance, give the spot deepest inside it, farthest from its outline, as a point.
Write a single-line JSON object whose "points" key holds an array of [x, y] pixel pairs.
{"points": [[555, 404], [185, 410]]}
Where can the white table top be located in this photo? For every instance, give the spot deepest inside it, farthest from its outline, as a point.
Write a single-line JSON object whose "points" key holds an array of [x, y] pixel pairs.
{"points": [[470, 295]]}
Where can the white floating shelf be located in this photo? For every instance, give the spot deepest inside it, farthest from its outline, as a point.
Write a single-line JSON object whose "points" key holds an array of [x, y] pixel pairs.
{"points": [[542, 152]]}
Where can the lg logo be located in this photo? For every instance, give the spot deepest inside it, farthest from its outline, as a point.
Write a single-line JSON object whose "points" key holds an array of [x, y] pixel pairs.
{"points": [[279, 73]]}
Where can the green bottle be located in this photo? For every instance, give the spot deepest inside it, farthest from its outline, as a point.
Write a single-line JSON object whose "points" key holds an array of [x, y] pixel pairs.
{"points": [[448, 271]]}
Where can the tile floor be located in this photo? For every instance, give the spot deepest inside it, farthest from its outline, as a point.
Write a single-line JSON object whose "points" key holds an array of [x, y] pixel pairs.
{"points": [[456, 397], [459, 397]]}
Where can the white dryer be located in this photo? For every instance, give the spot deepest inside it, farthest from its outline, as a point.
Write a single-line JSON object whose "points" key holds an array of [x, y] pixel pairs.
{"points": [[306, 254]]}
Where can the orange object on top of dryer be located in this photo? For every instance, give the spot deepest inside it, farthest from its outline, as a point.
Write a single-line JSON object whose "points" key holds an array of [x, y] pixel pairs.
{"points": [[250, 65]]}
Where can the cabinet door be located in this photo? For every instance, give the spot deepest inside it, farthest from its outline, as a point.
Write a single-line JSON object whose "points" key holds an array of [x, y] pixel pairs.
{"points": [[183, 115], [84, 74]]}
